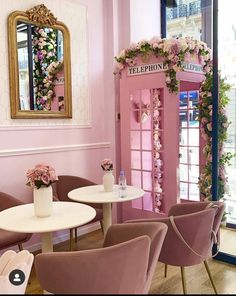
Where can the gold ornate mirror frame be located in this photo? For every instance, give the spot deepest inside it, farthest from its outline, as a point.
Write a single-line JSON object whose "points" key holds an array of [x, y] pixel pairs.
{"points": [[38, 16]]}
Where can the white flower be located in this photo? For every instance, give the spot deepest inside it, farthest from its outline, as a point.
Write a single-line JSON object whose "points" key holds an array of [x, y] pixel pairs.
{"points": [[122, 53]]}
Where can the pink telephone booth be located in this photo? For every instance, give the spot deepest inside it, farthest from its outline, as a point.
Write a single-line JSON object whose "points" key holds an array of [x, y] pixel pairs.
{"points": [[160, 139]]}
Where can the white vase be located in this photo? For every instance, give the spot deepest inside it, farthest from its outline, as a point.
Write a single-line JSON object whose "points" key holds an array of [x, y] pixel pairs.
{"points": [[43, 201], [108, 181]]}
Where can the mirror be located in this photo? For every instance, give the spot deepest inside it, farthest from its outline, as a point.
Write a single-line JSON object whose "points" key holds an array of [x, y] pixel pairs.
{"points": [[39, 63]]}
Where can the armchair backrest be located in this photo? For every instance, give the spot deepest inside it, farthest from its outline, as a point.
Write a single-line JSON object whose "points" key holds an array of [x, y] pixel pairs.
{"points": [[120, 267], [192, 207], [196, 229], [66, 183], [110, 270], [9, 238], [8, 201]]}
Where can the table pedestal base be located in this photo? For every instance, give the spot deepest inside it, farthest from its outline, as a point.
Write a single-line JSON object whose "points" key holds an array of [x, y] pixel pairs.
{"points": [[47, 245], [107, 218]]}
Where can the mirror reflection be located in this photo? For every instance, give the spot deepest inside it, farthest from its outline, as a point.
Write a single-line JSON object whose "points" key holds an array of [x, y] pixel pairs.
{"points": [[41, 71]]}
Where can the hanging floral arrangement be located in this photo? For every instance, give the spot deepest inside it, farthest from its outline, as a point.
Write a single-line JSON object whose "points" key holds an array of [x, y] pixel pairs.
{"points": [[44, 51], [157, 147], [174, 52], [205, 119]]}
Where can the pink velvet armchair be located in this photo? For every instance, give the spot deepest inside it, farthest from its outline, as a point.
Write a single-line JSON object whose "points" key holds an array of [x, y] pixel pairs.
{"points": [[125, 264], [9, 238], [190, 237], [61, 189]]}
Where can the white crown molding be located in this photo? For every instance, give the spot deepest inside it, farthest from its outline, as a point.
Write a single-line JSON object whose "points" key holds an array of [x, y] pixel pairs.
{"points": [[42, 127], [52, 149]]}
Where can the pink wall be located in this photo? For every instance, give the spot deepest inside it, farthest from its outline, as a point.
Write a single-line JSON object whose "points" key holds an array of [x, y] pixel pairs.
{"points": [[69, 149]]}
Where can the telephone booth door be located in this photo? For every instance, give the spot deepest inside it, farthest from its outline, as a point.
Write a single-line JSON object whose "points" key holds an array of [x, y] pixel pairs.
{"points": [[160, 142]]}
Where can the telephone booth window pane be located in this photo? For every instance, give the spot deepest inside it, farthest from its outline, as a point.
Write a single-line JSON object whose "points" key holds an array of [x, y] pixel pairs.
{"points": [[135, 160], [183, 190], [183, 155], [183, 172], [193, 155], [147, 201], [193, 173], [135, 139], [193, 192], [147, 181], [194, 137], [146, 140], [147, 161], [136, 178]]}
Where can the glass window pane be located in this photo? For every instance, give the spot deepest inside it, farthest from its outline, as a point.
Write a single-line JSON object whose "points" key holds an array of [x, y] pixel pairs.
{"points": [[183, 137], [193, 173], [193, 99], [183, 172], [147, 181], [135, 140], [193, 118], [184, 20], [136, 178], [183, 190], [183, 118], [193, 192], [193, 137], [145, 119], [183, 152], [136, 160], [147, 201], [147, 161], [193, 155], [137, 203], [227, 67], [183, 100], [147, 140]]}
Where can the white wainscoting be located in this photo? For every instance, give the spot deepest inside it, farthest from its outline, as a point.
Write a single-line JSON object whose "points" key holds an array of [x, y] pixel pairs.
{"points": [[52, 149]]}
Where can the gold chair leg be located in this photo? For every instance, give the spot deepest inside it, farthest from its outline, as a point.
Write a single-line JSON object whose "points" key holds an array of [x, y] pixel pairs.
{"points": [[165, 271], [183, 279], [71, 239], [20, 247], [76, 235], [210, 276], [101, 223]]}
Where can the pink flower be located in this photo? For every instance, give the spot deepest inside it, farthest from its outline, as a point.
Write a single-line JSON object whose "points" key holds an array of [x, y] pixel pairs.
{"points": [[107, 164], [131, 62], [41, 175]]}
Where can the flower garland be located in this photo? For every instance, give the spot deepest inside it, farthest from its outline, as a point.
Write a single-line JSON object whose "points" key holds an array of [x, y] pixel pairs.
{"points": [[205, 119], [44, 50], [157, 170], [174, 52]]}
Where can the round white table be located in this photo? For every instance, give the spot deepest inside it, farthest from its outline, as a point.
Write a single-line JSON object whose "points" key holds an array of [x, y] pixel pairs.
{"points": [[65, 215], [96, 194]]}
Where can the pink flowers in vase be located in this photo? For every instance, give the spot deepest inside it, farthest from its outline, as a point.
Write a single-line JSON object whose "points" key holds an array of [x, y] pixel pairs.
{"points": [[41, 175], [107, 164]]}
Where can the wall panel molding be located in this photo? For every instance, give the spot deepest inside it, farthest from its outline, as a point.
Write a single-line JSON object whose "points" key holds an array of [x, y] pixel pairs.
{"points": [[52, 149], [43, 127]]}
